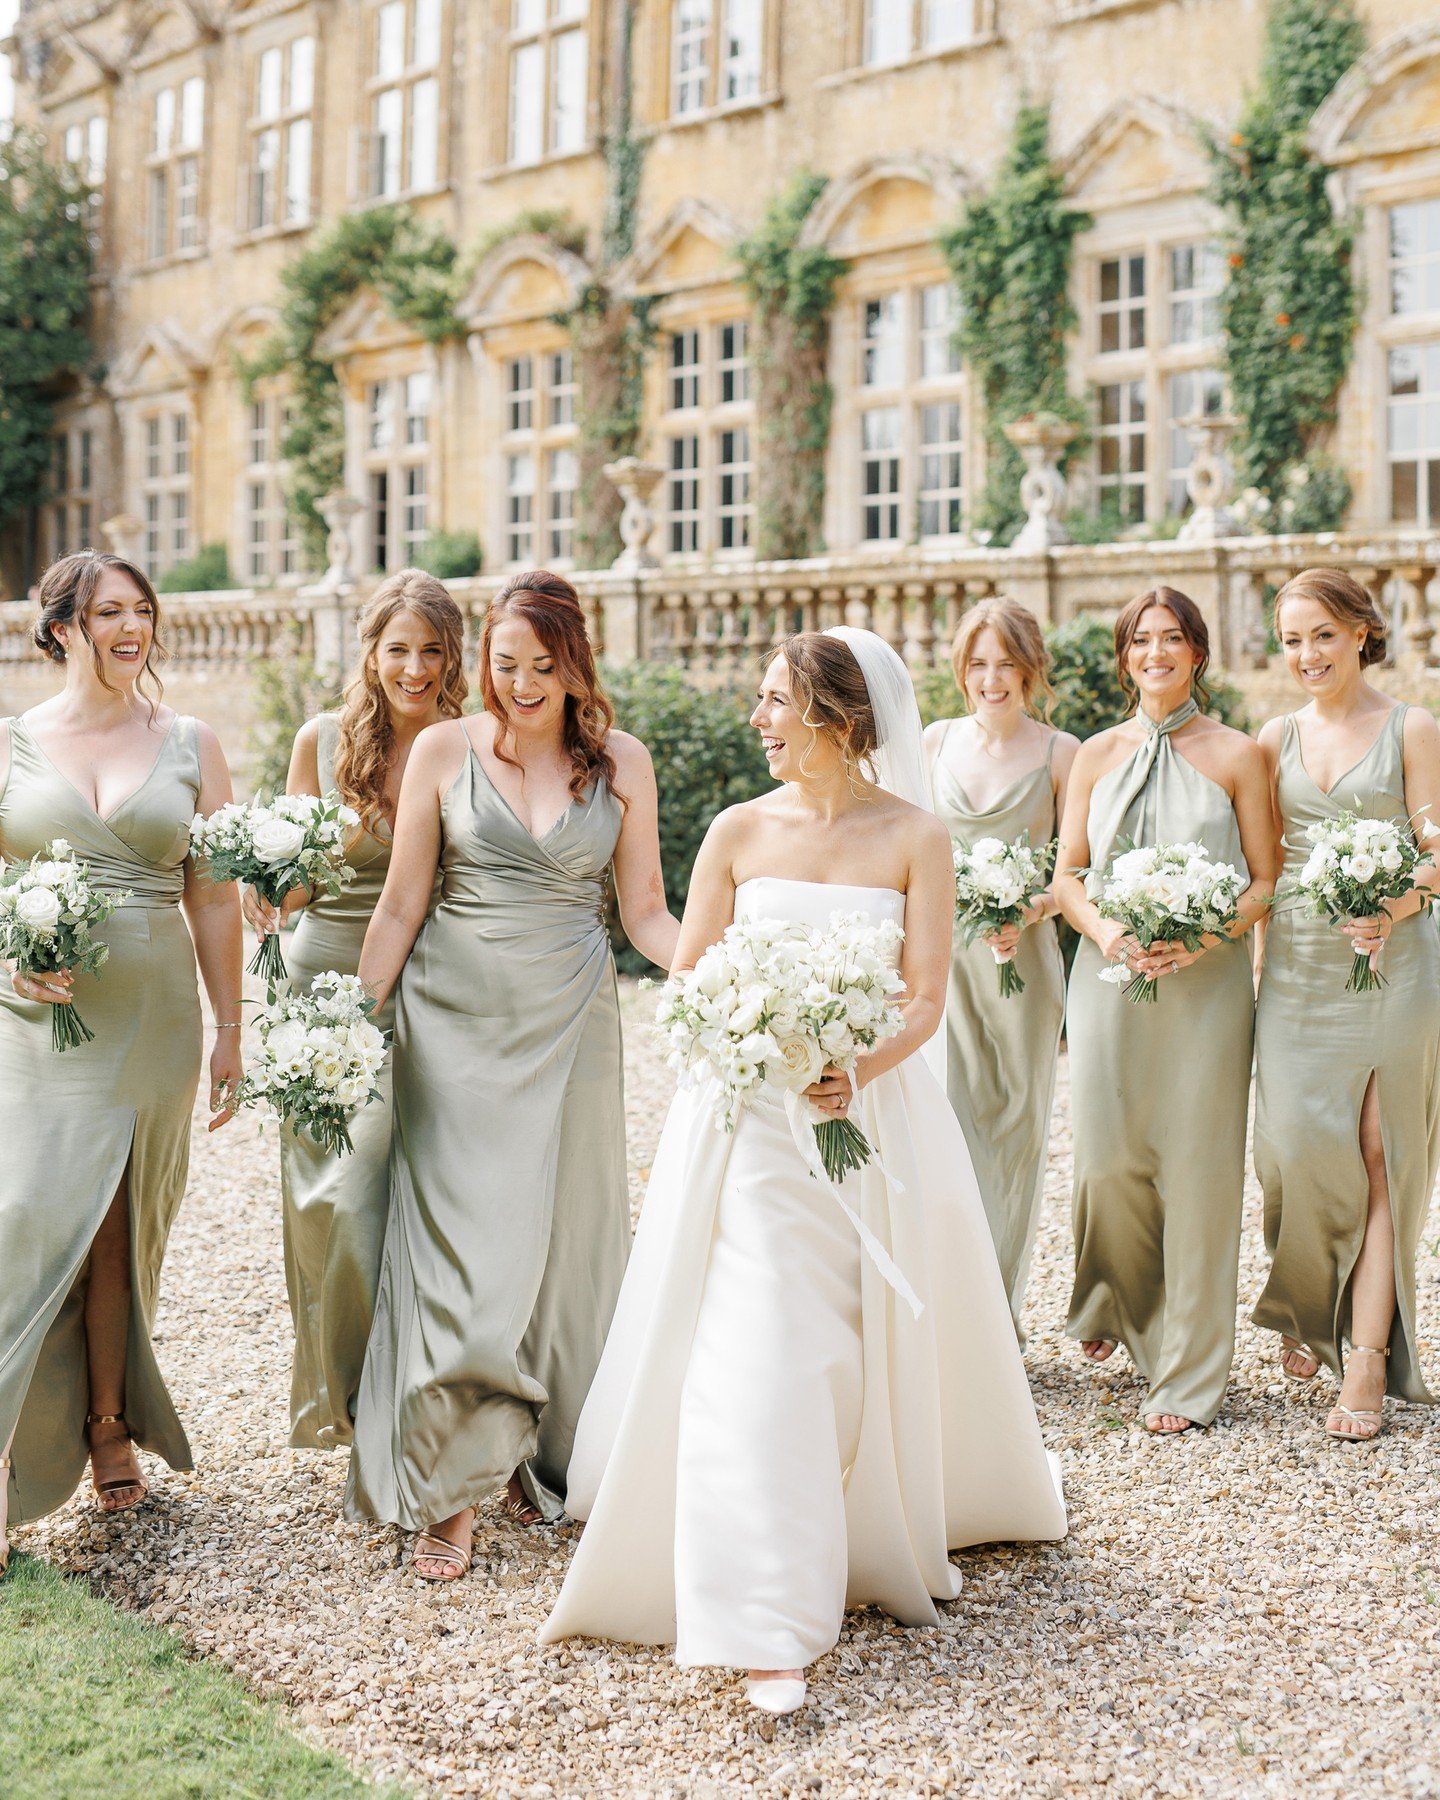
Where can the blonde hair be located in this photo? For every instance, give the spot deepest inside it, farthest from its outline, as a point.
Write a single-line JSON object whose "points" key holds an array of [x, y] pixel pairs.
{"points": [[1346, 602], [1019, 631]]}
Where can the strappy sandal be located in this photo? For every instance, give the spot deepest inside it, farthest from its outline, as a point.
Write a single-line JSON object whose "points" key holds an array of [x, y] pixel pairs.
{"points": [[102, 1488], [5, 1467], [1363, 1415], [522, 1509], [429, 1548], [1296, 1348]]}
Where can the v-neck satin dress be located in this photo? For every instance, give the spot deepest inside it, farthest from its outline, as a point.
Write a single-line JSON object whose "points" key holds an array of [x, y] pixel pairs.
{"points": [[509, 1223], [335, 1207], [1316, 1049], [1159, 1094], [71, 1123], [1000, 1066]]}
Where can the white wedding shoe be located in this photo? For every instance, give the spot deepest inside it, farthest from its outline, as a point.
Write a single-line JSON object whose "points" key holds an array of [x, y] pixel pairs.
{"points": [[781, 1694]]}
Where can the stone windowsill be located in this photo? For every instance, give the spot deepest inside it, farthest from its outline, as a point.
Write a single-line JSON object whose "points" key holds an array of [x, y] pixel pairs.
{"points": [[707, 115], [982, 40]]}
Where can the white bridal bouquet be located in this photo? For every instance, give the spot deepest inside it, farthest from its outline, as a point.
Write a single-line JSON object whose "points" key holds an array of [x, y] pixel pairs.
{"points": [[1356, 865], [1162, 893], [995, 885], [782, 1003], [294, 840], [318, 1058], [48, 916]]}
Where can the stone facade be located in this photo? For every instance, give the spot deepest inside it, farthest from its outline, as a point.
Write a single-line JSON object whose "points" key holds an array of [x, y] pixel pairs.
{"points": [[221, 136]]}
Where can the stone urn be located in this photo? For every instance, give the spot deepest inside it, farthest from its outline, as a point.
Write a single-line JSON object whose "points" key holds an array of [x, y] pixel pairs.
{"points": [[1041, 438], [1209, 481], [635, 481]]}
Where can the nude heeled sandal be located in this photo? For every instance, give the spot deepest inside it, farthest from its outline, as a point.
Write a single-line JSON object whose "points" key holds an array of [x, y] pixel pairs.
{"points": [[1361, 1415], [102, 1488]]}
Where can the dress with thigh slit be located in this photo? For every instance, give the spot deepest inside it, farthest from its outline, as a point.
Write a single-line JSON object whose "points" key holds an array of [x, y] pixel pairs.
{"points": [[70, 1123], [1317, 1049], [509, 1222]]}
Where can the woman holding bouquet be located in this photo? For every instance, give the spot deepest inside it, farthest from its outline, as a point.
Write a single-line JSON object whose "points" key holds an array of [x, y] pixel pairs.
{"points": [[1001, 772], [1159, 1092], [1347, 1116], [97, 1141], [412, 639], [509, 1222], [780, 1426]]}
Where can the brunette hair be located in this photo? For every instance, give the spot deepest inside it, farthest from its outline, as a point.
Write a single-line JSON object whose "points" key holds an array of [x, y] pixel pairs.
{"points": [[828, 690], [367, 732], [67, 589], [1192, 627], [551, 608], [1019, 631], [1346, 602]]}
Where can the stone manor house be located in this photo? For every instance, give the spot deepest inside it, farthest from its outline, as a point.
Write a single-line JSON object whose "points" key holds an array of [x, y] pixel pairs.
{"points": [[220, 136]]}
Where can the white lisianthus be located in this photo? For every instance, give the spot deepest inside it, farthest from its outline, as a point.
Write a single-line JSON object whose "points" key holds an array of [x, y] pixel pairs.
{"points": [[996, 883], [1360, 866]]}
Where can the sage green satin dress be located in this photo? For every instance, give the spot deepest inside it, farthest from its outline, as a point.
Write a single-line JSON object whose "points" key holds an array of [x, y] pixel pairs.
{"points": [[1159, 1094], [509, 1222], [1316, 1050], [1001, 1054], [335, 1207], [71, 1123]]}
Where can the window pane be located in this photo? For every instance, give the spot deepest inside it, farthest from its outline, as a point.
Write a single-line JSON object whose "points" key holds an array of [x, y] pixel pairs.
{"points": [[741, 47], [297, 172], [262, 179], [417, 407], [302, 74], [192, 113], [425, 133], [386, 142], [187, 203], [527, 15], [887, 30], [946, 22], [425, 40], [527, 104], [567, 91], [162, 129], [390, 39], [883, 359], [689, 53], [74, 144], [378, 413], [268, 98], [97, 135], [520, 383], [939, 354]]}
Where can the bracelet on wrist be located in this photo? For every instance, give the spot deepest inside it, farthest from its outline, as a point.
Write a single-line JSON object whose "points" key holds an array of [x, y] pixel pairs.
{"points": [[233, 1025]]}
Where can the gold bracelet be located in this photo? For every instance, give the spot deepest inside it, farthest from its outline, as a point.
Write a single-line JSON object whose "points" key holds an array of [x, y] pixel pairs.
{"points": [[235, 1025]]}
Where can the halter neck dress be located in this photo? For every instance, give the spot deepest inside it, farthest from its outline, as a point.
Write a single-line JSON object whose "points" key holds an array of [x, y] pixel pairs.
{"points": [[334, 1207], [1317, 1048], [73, 1124], [1159, 1094], [509, 1222], [1000, 1066]]}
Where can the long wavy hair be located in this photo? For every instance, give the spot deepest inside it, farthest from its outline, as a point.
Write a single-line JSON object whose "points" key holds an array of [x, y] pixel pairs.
{"points": [[1193, 629], [67, 589], [551, 608], [1019, 632], [367, 732]]}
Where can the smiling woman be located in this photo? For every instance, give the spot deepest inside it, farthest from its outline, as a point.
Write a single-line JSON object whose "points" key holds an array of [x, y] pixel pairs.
{"points": [[97, 1147], [508, 1225]]}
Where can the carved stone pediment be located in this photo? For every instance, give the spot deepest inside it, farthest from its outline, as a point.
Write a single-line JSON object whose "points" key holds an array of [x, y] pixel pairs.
{"points": [[163, 358], [693, 246], [1388, 104], [885, 203], [523, 279], [1141, 149], [363, 324]]}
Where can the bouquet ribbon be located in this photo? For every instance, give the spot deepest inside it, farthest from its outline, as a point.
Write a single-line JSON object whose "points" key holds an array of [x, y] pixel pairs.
{"points": [[802, 1129]]}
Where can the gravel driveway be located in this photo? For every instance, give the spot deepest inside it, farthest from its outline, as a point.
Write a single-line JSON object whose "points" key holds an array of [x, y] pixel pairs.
{"points": [[1250, 1611]]}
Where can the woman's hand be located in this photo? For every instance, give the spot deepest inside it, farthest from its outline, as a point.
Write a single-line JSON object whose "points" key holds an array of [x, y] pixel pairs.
{"points": [[1166, 957], [1006, 941], [1116, 945], [1367, 936], [227, 1066], [265, 918], [833, 1093], [51, 989]]}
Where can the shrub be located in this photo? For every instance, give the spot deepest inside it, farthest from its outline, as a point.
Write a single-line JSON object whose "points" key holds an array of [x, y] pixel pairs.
{"points": [[204, 572], [450, 555], [288, 691], [706, 758]]}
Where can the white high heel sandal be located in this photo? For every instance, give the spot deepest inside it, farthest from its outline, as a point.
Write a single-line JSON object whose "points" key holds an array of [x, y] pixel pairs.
{"points": [[780, 1694]]}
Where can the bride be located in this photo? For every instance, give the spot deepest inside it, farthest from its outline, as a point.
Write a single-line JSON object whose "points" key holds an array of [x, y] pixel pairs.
{"points": [[775, 1433]]}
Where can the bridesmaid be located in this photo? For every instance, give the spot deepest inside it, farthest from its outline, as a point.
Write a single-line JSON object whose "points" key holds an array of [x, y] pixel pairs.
{"points": [[1001, 772], [1347, 1118], [509, 1221], [97, 1142], [1159, 1091], [412, 638]]}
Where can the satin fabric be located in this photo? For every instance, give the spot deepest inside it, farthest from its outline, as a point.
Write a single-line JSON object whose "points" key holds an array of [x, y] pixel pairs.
{"points": [[1159, 1094], [509, 1222], [334, 1207], [1002, 1052], [72, 1123], [1317, 1048], [772, 1435]]}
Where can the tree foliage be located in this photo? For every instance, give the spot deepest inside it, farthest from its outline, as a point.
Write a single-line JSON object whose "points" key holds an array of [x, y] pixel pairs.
{"points": [[1289, 306], [791, 287], [1010, 254], [412, 266], [44, 299]]}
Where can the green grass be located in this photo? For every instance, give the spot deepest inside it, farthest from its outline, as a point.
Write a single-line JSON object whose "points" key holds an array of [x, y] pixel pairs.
{"points": [[98, 1705]]}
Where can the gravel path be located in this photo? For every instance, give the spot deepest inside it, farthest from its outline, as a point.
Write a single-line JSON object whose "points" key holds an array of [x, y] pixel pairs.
{"points": [[1249, 1611]]}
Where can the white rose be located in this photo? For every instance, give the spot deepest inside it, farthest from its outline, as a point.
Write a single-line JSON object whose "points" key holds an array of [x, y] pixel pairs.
{"points": [[39, 908], [276, 840], [1359, 867], [50, 874], [1390, 861], [802, 1062], [286, 1040]]}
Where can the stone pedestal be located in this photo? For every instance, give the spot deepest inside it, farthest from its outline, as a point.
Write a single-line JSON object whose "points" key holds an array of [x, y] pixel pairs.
{"points": [[1041, 439], [635, 482]]}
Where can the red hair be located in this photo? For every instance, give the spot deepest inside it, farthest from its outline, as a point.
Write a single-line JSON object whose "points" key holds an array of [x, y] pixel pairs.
{"points": [[551, 608]]}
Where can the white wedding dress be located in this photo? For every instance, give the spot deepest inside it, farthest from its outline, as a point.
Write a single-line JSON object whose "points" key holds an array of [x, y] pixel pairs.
{"points": [[773, 1435]]}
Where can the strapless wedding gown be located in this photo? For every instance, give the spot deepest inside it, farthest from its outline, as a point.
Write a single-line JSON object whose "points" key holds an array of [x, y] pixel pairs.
{"points": [[773, 1434]]}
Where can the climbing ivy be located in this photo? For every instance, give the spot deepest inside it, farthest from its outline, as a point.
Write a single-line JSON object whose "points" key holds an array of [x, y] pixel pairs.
{"points": [[413, 267], [44, 298], [1289, 307], [791, 287], [1010, 254]]}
